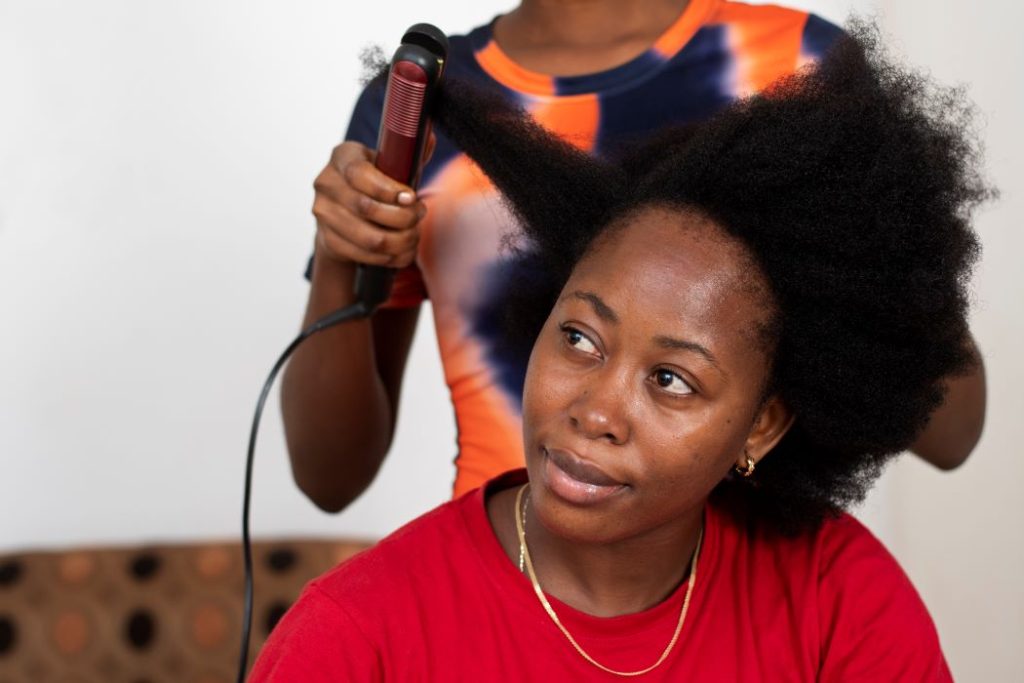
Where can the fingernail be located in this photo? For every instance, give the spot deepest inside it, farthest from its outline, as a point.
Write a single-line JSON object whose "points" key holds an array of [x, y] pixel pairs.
{"points": [[406, 198]]}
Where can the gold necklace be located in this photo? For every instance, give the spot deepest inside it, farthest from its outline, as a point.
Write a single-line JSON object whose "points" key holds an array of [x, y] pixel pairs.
{"points": [[524, 554], [522, 539]]}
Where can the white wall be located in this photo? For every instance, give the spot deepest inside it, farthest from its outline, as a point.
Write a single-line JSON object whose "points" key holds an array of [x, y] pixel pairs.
{"points": [[960, 536], [155, 170]]}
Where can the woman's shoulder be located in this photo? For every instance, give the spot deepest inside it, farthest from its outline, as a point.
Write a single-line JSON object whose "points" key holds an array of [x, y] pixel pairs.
{"points": [[338, 627], [839, 555], [844, 543], [871, 623], [855, 606], [438, 554], [421, 545], [831, 546]]}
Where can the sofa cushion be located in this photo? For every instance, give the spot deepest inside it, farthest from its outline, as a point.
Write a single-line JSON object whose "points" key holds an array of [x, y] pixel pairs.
{"points": [[147, 614]]}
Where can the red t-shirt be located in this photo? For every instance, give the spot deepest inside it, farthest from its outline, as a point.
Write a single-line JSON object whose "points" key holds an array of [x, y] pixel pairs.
{"points": [[439, 600]]}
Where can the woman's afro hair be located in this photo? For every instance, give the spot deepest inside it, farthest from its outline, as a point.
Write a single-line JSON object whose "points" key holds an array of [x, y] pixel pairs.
{"points": [[851, 183]]}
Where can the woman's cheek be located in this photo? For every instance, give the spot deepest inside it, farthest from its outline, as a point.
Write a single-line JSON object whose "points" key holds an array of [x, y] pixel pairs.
{"points": [[544, 391], [694, 452]]}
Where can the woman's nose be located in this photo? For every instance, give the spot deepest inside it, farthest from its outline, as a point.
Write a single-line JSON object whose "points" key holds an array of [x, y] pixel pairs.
{"points": [[600, 410]]}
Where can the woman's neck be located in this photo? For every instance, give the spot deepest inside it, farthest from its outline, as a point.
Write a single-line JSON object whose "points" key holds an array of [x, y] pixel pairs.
{"points": [[605, 579], [574, 37]]}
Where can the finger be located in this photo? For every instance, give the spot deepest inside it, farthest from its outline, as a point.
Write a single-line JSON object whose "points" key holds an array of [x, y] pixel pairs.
{"points": [[384, 214], [331, 187], [341, 249], [338, 247], [363, 234], [330, 184], [331, 180], [389, 215], [373, 238], [369, 180], [347, 152], [404, 259]]}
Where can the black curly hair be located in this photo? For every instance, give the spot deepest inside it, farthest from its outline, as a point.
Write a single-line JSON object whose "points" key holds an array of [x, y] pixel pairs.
{"points": [[851, 183]]}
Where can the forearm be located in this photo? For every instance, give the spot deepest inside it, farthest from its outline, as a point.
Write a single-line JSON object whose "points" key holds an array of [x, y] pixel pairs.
{"points": [[337, 414], [955, 427]]}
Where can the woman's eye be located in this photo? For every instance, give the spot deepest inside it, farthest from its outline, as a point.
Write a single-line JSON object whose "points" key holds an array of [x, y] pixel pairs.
{"points": [[579, 341], [672, 382]]}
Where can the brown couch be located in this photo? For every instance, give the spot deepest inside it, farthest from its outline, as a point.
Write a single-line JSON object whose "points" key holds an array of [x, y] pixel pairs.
{"points": [[154, 614]]}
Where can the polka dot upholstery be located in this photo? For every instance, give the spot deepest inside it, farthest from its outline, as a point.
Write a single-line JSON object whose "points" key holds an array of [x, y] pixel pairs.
{"points": [[169, 613]]}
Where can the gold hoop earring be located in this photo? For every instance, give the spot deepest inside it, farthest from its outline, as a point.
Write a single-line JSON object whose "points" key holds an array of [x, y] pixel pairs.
{"points": [[749, 469]]}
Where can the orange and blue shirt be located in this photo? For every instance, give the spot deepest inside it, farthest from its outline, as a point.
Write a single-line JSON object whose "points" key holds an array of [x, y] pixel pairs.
{"points": [[714, 53]]}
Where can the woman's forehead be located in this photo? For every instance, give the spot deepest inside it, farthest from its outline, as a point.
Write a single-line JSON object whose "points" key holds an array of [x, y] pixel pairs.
{"points": [[676, 269], [658, 246]]}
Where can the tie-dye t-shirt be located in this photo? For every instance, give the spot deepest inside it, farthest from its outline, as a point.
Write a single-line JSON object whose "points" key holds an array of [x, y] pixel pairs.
{"points": [[715, 52]]}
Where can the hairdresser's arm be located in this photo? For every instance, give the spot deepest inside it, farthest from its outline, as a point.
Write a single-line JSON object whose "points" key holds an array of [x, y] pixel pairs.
{"points": [[340, 391], [955, 427]]}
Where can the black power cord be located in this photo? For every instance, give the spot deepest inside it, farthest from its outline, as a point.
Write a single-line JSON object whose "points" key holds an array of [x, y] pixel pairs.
{"points": [[355, 311], [418, 66]]}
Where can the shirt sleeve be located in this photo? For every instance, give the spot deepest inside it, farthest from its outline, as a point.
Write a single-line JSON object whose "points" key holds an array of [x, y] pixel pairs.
{"points": [[817, 38], [873, 624], [365, 121], [317, 641]]}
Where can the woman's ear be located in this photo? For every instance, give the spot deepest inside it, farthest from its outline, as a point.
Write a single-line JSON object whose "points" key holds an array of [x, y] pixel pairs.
{"points": [[771, 424]]}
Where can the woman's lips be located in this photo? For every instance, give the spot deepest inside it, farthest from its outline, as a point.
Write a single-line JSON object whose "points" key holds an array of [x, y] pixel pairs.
{"points": [[577, 481]]}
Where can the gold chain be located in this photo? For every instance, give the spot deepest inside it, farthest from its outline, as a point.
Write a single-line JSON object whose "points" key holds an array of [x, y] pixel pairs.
{"points": [[522, 539], [524, 553]]}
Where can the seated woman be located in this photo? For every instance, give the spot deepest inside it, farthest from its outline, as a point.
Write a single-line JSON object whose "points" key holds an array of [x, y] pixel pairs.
{"points": [[732, 330]]}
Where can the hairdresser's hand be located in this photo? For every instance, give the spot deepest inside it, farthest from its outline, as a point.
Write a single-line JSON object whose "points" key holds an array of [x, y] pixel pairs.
{"points": [[362, 215]]}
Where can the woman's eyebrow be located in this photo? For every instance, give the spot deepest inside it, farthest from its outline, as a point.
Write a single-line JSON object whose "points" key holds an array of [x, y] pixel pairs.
{"points": [[602, 309], [682, 344], [605, 312]]}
